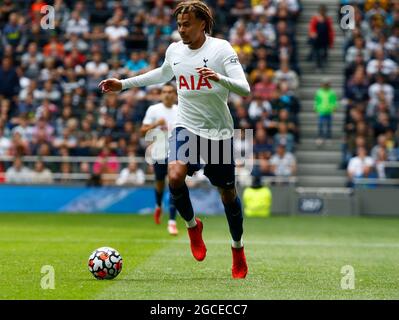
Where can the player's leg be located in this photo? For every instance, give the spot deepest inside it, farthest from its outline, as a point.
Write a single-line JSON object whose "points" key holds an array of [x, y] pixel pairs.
{"points": [[233, 210], [177, 172], [222, 175], [179, 192], [160, 170], [178, 168], [172, 226]]}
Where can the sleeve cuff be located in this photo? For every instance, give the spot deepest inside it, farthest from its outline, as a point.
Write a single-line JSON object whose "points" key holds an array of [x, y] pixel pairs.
{"points": [[123, 84]]}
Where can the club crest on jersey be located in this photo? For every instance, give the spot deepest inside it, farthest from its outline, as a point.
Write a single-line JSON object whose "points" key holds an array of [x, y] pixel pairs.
{"points": [[190, 83], [205, 61]]}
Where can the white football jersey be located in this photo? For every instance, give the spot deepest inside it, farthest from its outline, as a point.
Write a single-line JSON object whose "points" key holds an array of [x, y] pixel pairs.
{"points": [[202, 102], [159, 136]]}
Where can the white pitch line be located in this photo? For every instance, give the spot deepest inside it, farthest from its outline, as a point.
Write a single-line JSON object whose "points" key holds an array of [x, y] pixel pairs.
{"points": [[248, 242], [282, 243]]}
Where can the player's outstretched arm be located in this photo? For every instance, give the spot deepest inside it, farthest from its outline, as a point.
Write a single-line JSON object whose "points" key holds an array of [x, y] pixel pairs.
{"points": [[159, 75]]}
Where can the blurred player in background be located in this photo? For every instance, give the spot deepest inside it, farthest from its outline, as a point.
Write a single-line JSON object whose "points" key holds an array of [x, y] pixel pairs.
{"points": [[206, 69], [160, 118]]}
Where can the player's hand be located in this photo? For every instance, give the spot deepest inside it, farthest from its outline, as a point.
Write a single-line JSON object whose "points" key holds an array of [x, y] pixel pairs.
{"points": [[110, 85], [208, 73]]}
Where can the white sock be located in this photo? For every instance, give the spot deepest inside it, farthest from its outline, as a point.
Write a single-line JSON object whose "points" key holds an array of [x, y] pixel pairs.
{"points": [[192, 223], [237, 244], [172, 222]]}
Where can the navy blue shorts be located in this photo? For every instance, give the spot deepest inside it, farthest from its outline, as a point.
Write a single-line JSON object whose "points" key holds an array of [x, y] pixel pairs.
{"points": [[215, 156], [161, 170]]}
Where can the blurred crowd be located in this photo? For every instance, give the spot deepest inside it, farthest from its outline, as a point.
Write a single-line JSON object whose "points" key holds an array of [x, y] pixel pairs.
{"points": [[371, 90], [50, 104]]}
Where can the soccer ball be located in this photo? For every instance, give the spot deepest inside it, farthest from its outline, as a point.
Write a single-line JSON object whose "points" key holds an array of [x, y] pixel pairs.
{"points": [[105, 263]]}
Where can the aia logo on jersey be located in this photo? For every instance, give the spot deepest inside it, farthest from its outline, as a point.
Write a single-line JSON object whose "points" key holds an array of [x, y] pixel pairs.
{"points": [[191, 84]]}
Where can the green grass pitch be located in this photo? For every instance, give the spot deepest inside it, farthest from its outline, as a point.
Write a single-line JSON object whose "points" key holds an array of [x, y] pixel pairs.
{"points": [[288, 258]]}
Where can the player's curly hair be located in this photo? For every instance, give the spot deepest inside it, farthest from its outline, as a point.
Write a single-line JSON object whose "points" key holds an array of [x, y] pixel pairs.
{"points": [[200, 9]]}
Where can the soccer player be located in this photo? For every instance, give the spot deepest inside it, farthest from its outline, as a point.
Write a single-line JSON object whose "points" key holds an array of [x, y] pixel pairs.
{"points": [[160, 118], [206, 69]]}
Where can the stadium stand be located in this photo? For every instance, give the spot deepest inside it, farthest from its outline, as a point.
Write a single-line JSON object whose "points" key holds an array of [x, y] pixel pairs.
{"points": [[54, 118], [371, 94]]}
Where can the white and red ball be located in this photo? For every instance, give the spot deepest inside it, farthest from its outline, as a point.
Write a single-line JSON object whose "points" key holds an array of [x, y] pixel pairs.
{"points": [[105, 263]]}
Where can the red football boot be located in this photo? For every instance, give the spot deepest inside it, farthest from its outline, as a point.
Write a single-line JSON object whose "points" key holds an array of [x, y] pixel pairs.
{"points": [[198, 247], [157, 215], [239, 269]]}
